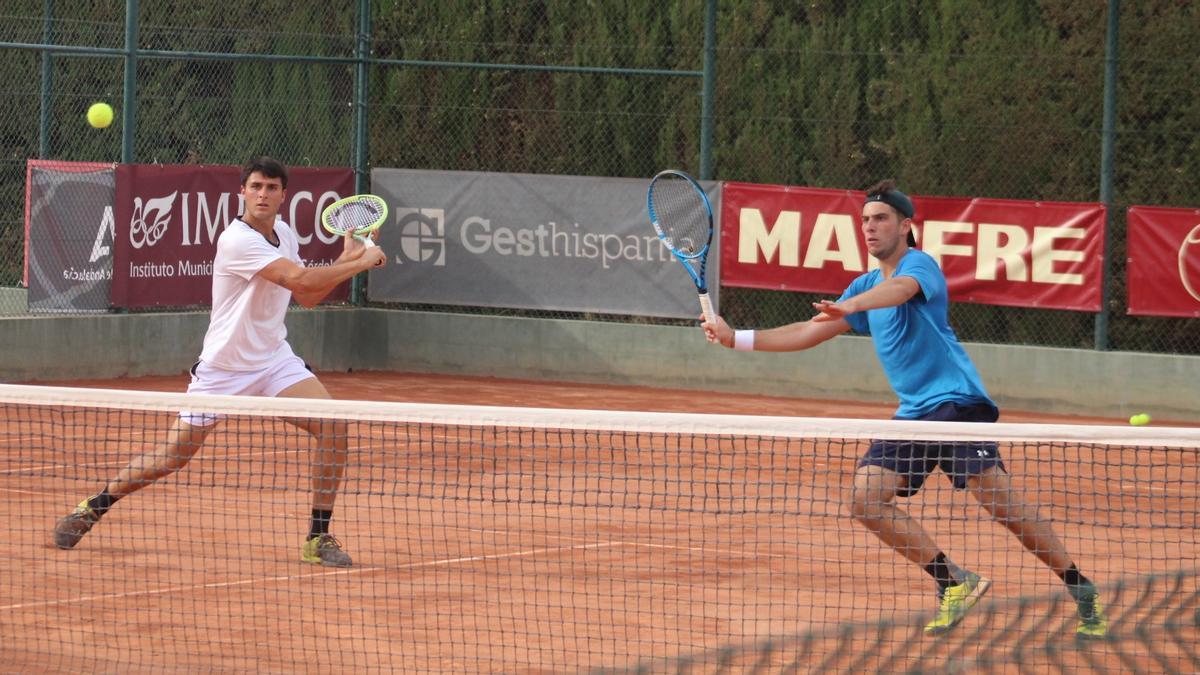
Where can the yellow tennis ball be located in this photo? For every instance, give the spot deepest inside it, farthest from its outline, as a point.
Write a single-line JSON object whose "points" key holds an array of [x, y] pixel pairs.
{"points": [[100, 115], [1140, 420]]}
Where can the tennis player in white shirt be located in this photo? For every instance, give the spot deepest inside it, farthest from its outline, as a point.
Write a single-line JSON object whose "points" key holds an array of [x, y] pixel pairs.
{"points": [[257, 272]]}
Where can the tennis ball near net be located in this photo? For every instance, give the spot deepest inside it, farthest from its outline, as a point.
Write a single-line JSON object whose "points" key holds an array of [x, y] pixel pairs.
{"points": [[1139, 420], [100, 115]]}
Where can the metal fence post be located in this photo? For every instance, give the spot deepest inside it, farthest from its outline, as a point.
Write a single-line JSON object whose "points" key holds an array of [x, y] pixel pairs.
{"points": [[362, 52], [709, 89], [129, 102], [47, 81], [1106, 167], [361, 77]]}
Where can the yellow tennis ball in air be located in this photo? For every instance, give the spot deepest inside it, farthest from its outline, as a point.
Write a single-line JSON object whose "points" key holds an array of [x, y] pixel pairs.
{"points": [[100, 115], [1140, 420]]}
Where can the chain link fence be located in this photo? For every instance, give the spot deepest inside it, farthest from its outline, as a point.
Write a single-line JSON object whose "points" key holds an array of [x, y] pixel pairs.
{"points": [[999, 100]]}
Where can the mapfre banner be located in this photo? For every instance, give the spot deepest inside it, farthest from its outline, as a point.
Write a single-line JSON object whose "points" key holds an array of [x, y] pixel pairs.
{"points": [[1164, 261], [993, 251], [168, 218]]}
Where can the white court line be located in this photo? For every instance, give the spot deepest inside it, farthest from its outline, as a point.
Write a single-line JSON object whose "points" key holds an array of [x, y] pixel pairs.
{"points": [[55, 467], [237, 509], [703, 549], [694, 549], [172, 589], [200, 455], [129, 433], [497, 556], [123, 463], [635, 544], [1134, 487], [36, 493], [292, 577]]}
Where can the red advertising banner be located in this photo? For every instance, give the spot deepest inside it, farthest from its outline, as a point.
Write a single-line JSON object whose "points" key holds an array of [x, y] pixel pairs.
{"points": [[993, 251], [168, 218], [1164, 261]]}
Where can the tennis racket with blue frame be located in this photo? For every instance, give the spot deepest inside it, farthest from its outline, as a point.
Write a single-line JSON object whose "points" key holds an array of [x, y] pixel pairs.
{"points": [[682, 218]]}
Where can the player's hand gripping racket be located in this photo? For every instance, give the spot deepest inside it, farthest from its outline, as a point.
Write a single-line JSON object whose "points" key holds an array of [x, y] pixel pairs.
{"points": [[358, 215], [682, 217]]}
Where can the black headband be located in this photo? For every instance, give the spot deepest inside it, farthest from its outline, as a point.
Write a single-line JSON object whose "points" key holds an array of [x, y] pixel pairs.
{"points": [[899, 201], [895, 199]]}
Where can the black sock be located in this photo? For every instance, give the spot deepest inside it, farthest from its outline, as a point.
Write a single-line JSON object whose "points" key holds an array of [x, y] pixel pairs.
{"points": [[1072, 577], [940, 571], [320, 523], [102, 502]]}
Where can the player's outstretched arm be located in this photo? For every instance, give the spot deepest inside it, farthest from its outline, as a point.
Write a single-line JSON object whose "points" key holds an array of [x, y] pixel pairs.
{"points": [[790, 338], [310, 285], [891, 293]]}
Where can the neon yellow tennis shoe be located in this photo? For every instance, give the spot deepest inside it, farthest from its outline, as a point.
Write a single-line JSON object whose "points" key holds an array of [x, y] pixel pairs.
{"points": [[955, 601], [325, 550], [70, 528], [1093, 623]]}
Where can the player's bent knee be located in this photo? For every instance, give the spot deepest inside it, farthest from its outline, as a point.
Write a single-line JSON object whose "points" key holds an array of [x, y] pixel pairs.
{"points": [[867, 507], [866, 504], [874, 488], [859, 509]]}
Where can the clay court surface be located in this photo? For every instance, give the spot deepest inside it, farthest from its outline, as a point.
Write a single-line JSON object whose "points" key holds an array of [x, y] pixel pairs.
{"points": [[517, 551]]}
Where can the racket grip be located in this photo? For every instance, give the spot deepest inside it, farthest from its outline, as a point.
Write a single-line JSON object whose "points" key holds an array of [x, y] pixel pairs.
{"points": [[369, 243], [706, 306]]}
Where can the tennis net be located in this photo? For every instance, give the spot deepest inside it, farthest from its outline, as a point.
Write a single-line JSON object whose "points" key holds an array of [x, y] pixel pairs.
{"points": [[490, 539], [1156, 633]]}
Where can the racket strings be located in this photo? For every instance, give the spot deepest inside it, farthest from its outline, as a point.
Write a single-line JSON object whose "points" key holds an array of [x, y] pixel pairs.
{"points": [[681, 214], [353, 217]]}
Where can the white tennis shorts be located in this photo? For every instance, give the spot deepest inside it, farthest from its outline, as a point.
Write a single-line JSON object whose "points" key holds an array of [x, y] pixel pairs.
{"points": [[285, 371]]}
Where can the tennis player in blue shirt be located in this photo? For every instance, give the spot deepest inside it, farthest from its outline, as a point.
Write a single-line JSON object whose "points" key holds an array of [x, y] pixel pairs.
{"points": [[903, 307]]}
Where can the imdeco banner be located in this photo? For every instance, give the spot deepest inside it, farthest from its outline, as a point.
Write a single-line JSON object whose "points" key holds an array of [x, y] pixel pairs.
{"points": [[168, 218], [993, 251], [1164, 261], [565, 243]]}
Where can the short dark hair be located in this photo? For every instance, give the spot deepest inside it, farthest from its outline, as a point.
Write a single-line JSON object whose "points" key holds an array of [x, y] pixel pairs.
{"points": [[885, 191], [268, 167]]}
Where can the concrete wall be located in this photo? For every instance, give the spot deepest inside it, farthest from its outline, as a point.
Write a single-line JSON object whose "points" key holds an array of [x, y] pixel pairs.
{"points": [[13, 301], [98, 345], [1108, 384], [47, 348]]}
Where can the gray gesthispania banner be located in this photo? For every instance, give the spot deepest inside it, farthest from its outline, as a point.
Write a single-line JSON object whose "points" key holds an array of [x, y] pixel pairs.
{"points": [[566, 243], [69, 234]]}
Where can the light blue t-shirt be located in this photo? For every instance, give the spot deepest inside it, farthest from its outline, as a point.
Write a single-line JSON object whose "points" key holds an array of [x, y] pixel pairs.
{"points": [[922, 358]]}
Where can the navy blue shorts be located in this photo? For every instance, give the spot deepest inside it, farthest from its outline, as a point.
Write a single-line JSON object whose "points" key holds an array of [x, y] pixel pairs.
{"points": [[959, 460]]}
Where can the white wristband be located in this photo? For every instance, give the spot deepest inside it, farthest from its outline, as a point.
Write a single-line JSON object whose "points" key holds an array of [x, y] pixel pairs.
{"points": [[743, 340]]}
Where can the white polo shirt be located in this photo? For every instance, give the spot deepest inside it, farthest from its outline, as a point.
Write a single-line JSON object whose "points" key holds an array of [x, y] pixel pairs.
{"points": [[246, 329]]}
